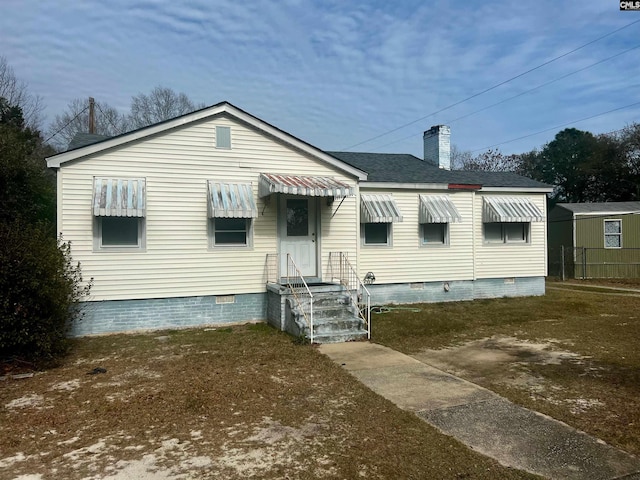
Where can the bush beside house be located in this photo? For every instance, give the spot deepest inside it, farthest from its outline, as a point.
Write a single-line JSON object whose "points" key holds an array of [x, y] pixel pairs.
{"points": [[39, 284]]}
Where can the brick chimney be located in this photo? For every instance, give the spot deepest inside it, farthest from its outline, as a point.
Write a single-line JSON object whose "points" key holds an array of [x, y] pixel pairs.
{"points": [[437, 146]]}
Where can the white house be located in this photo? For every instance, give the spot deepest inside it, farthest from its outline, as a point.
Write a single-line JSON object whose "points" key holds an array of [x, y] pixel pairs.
{"points": [[217, 216]]}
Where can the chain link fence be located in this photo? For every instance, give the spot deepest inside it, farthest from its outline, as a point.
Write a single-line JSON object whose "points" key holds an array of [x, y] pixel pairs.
{"points": [[585, 262]]}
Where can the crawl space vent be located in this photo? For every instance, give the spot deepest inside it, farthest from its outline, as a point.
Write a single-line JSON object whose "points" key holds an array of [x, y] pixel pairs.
{"points": [[225, 299]]}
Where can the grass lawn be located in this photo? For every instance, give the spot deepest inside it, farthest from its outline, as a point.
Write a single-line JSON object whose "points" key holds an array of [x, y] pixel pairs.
{"points": [[237, 402], [574, 355]]}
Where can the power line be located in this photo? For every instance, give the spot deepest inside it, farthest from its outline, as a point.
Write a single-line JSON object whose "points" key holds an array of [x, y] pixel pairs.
{"points": [[491, 88], [519, 94], [544, 84], [116, 129], [556, 127], [68, 123]]}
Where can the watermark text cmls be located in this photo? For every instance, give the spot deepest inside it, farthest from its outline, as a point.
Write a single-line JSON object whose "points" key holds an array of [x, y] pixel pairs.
{"points": [[630, 5]]}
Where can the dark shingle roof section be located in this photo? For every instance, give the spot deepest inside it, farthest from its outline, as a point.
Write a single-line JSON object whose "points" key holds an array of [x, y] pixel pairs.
{"points": [[84, 139], [602, 207], [405, 168]]}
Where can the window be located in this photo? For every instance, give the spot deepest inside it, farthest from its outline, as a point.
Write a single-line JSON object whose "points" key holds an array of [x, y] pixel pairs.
{"points": [[119, 208], [510, 232], [231, 231], [223, 137], [435, 233], [297, 217], [376, 233], [613, 234], [119, 232]]}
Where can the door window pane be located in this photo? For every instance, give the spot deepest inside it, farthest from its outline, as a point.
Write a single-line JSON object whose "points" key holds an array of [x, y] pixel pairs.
{"points": [[297, 218]]}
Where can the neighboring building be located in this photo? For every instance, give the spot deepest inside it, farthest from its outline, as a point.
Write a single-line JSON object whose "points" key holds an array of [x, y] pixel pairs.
{"points": [[190, 221], [595, 240]]}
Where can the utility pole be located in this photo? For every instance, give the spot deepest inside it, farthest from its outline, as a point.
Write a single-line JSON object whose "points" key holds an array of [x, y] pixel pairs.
{"points": [[92, 115]]}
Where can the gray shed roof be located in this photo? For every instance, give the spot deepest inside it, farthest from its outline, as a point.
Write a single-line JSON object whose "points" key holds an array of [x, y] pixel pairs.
{"points": [[84, 139], [601, 207], [405, 168]]}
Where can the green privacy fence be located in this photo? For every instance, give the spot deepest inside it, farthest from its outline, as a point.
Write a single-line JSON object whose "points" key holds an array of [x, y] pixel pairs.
{"points": [[586, 262]]}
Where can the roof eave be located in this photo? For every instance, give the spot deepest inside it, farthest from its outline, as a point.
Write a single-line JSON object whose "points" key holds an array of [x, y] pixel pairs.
{"points": [[517, 189], [446, 186], [407, 186], [600, 212]]}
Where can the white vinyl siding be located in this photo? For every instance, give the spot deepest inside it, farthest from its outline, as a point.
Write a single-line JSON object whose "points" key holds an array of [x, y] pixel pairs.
{"points": [[178, 260], [407, 260], [514, 258]]}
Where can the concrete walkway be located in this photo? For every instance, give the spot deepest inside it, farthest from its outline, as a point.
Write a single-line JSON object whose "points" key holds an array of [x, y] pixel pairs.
{"points": [[489, 424]]}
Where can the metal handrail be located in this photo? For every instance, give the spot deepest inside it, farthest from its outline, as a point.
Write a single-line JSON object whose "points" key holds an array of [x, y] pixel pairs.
{"points": [[272, 267], [348, 277], [297, 288]]}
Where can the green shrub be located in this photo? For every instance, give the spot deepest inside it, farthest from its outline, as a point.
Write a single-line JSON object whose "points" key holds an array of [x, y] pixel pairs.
{"points": [[40, 289]]}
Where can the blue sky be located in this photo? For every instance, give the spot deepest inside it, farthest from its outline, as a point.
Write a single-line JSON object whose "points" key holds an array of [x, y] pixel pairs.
{"points": [[338, 73]]}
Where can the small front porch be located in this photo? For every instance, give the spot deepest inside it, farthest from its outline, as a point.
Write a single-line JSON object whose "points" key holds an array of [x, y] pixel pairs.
{"points": [[330, 311]]}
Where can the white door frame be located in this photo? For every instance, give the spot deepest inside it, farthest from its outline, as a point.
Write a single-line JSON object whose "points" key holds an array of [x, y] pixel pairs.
{"points": [[303, 248]]}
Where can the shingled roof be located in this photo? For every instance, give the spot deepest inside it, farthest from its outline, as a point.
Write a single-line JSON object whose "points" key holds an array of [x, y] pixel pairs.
{"points": [[405, 168], [84, 139]]}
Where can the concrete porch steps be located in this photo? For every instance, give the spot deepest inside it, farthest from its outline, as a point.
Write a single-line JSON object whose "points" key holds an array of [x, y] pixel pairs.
{"points": [[335, 319]]}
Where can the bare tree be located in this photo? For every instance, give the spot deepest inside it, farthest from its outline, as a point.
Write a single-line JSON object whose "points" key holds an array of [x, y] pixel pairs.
{"points": [[490, 161], [108, 122], [16, 93], [460, 158], [161, 104]]}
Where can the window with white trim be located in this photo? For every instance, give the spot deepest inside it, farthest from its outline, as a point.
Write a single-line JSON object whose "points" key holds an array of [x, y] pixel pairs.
{"points": [[118, 213], [119, 231], [435, 233], [613, 234], [507, 232], [234, 232], [223, 137], [376, 233]]}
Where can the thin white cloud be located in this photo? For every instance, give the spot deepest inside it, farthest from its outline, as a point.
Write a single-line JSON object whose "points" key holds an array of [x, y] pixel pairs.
{"points": [[334, 73]]}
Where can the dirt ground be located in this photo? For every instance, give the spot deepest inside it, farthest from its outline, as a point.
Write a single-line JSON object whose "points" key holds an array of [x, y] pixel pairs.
{"points": [[571, 354], [508, 361], [232, 403]]}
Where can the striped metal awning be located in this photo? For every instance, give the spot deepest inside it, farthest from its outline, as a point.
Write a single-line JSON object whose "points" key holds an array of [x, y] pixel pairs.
{"points": [[438, 209], [119, 197], [305, 186], [230, 200], [510, 209], [379, 208]]}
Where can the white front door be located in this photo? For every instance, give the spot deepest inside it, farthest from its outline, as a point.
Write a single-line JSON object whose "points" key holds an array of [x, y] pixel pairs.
{"points": [[298, 234]]}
